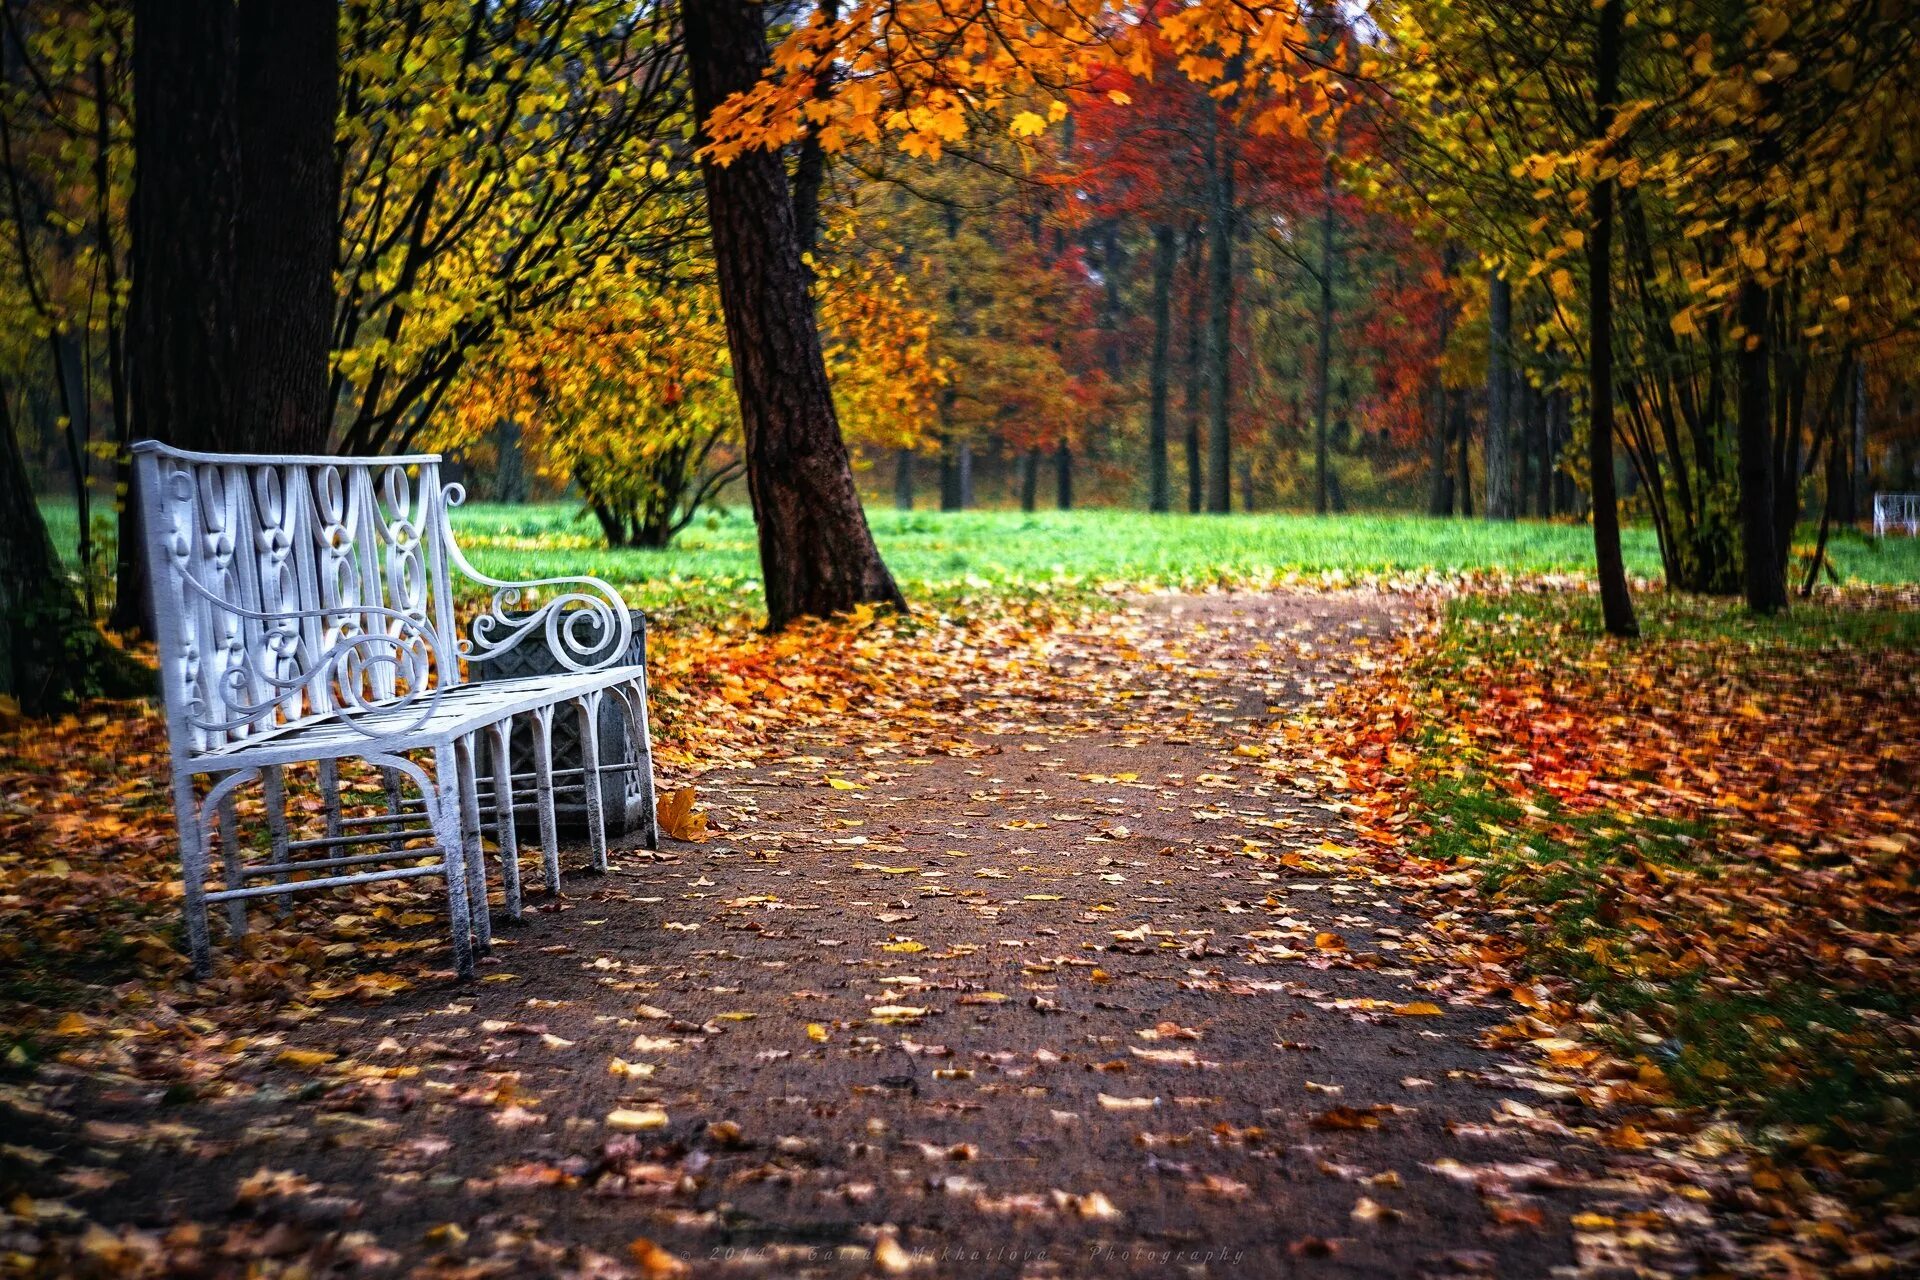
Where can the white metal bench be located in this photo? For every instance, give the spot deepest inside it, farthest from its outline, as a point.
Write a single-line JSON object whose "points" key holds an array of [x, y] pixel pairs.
{"points": [[306, 616], [1896, 511]]}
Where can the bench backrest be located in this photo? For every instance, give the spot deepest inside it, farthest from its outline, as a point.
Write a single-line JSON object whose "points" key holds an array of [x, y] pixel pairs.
{"points": [[293, 588]]}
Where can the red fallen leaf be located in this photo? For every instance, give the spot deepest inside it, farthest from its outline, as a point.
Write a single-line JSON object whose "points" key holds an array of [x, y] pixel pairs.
{"points": [[1313, 1247]]}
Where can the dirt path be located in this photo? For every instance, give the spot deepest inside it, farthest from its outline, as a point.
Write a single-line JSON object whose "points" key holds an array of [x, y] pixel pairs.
{"points": [[1042, 997]]}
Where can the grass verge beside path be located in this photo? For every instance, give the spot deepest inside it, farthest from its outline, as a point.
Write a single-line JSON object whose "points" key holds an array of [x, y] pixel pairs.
{"points": [[953, 560], [974, 559], [1708, 844]]}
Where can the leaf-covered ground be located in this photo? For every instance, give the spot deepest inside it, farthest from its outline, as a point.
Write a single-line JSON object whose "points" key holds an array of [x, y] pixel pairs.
{"points": [[1133, 942]]}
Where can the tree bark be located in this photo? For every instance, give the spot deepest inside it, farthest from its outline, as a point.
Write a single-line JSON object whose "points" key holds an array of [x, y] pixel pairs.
{"points": [[182, 330], [1063, 475], [51, 654], [1499, 454], [1166, 251], [1753, 431], [288, 228], [1030, 480], [1323, 363], [1220, 324], [817, 555], [1616, 605]]}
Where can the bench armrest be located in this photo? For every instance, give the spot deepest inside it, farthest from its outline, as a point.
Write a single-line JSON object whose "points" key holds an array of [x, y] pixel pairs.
{"points": [[600, 624]]}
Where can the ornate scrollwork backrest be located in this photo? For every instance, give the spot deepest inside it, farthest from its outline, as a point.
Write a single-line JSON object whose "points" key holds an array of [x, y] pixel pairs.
{"points": [[288, 589]]}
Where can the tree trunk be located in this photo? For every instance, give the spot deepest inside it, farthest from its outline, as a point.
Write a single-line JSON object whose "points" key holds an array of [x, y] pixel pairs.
{"points": [[1753, 429], [1323, 363], [817, 556], [1220, 325], [1562, 432], [1543, 453], [1499, 399], [1463, 438], [1030, 480], [1616, 605], [1191, 401], [1166, 250], [1439, 490], [288, 229], [1063, 476], [182, 333], [51, 654], [1861, 486], [950, 496], [903, 479], [810, 168], [1523, 438], [963, 464]]}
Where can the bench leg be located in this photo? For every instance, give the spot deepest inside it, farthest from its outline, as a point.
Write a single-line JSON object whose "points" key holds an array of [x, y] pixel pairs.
{"points": [[193, 871], [443, 810], [643, 747], [330, 796], [470, 851], [500, 738], [230, 859], [543, 786], [274, 784], [589, 706]]}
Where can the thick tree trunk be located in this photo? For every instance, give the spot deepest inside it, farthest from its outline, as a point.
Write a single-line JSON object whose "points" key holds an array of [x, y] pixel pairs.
{"points": [[1063, 476], [1499, 455], [51, 654], [288, 225], [1753, 430], [182, 331], [1616, 605], [903, 479], [1030, 480], [1323, 361], [1190, 404], [1166, 250], [817, 556], [1220, 325]]}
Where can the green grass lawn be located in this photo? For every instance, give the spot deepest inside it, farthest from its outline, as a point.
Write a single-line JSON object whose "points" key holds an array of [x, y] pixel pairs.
{"points": [[947, 559]]}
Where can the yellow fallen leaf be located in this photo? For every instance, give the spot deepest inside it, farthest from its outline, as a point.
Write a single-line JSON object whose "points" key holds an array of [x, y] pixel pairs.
{"points": [[841, 784], [305, 1059], [636, 1119], [816, 1033], [677, 816], [1420, 1009]]}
